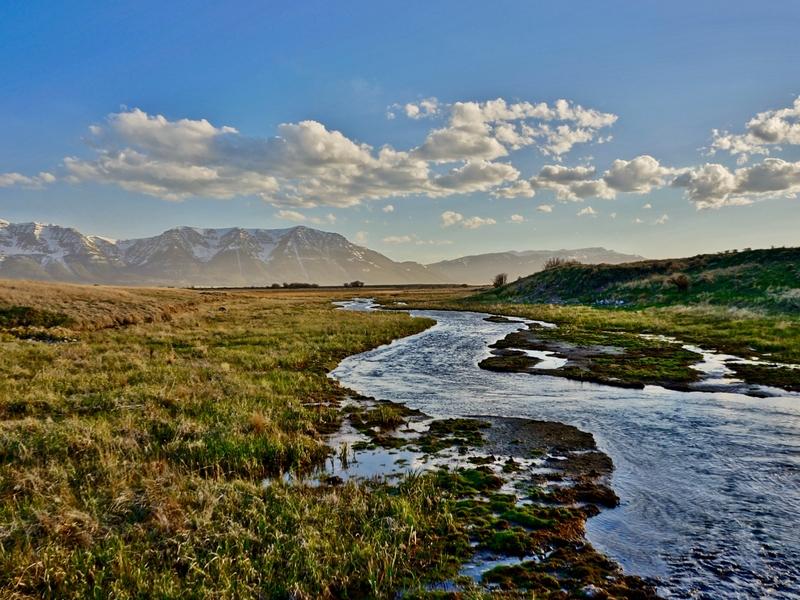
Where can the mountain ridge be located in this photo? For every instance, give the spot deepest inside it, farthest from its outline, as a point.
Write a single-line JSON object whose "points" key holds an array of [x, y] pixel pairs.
{"points": [[237, 256]]}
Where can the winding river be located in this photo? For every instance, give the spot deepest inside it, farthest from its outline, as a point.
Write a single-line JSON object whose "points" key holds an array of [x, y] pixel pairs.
{"points": [[709, 482]]}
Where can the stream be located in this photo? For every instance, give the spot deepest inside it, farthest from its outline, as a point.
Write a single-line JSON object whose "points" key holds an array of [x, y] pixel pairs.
{"points": [[709, 482]]}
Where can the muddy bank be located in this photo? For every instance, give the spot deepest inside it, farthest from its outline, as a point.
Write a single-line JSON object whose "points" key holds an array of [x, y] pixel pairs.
{"points": [[520, 491]]}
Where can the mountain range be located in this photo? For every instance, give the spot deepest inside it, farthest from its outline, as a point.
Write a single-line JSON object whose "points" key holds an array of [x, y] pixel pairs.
{"points": [[235, 256]]}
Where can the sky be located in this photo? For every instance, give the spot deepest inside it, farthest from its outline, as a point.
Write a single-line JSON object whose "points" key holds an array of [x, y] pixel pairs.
{"points": [[424, 130]]}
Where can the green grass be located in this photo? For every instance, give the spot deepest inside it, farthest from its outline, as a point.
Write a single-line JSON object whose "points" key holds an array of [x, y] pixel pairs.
{"points": [[132, 460], [767, 280]]}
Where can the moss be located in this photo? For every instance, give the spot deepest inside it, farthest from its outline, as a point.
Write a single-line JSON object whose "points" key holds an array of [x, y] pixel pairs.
{"points": [[445, 433], [526, 518], [782, 377], [510, 542]]}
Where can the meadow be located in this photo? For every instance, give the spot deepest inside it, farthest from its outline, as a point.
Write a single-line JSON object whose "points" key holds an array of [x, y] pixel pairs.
{"points": [[153, 442], [135, 443]]}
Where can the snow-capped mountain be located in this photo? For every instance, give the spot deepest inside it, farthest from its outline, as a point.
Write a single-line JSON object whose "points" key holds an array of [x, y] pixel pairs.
{"points": [[245, 257], [192, 256]]}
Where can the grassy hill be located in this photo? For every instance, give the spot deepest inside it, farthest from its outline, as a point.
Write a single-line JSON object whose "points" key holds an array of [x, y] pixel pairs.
{"points": [[764, 279]]}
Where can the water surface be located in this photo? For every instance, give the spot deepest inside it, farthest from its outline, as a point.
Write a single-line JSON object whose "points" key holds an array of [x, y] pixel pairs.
{"points": [[709, 482]]}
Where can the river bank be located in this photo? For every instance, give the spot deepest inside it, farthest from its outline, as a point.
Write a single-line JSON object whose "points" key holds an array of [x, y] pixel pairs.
{"points": [[522, 492], [690, 515]]}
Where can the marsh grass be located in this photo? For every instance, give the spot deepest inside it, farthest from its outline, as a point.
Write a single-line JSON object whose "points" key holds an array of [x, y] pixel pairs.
{"points": [[133, 460]]}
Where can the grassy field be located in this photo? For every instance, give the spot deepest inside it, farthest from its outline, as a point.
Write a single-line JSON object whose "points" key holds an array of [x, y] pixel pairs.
{"points": [[132, 458], [766, 280], [138, 427]]}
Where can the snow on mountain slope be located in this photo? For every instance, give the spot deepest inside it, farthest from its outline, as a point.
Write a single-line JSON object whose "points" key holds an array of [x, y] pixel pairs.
{"points": [[194, 256], [237, 256]]}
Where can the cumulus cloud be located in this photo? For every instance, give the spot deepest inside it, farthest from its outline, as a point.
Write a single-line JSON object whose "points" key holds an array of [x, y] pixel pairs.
{"points": [[469, 151], [398, 239], [26, 181], [414, 239], [639, 175], [298, 217], [571, 183], [477, 176], [587, 212], [647, 206], [520, 188], [476, 222], [545, 208], [767, 129], [291, 215], [714, 185], [361, 237], [489, 130], [662, 219], [450, 218], [306, 164], [422, 109], [516, 219]]}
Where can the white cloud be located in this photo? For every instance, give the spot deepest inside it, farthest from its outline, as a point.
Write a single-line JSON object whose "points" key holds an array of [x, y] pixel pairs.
{"points": [[517, 219], [414, 239], [519, 188], [767, 129], [613, 215], [587, 212], [545, 208], [638, 221], [26, 181], [639, 175], [477, 176], [662, 219], [422, 109], [450, 218], [361, 237], [713, 185], [571, 183], [489, 130], [308, 165], [561, 174], [398, 239], [476, 222], [647, 206], [291, 215]]}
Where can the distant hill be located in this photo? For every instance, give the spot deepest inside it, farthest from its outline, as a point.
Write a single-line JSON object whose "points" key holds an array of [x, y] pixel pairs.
{"points": [[481, 268], [766, 279]]}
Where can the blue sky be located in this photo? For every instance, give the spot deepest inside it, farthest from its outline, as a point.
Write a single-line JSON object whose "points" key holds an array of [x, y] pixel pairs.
{"points": [[654, 79]]}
